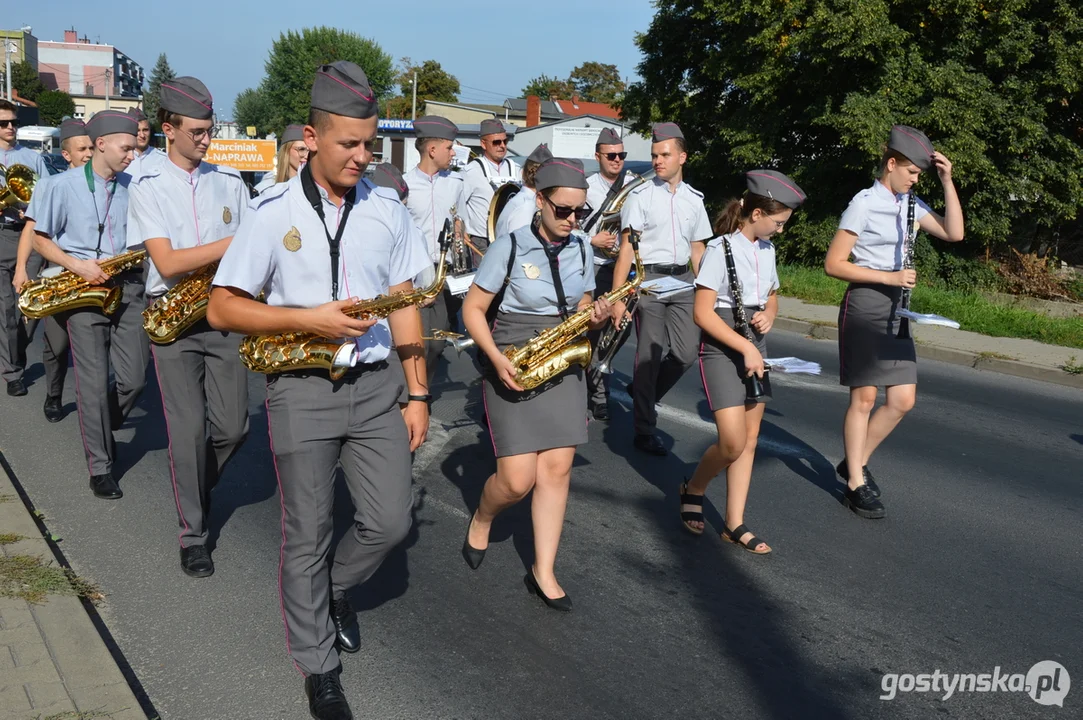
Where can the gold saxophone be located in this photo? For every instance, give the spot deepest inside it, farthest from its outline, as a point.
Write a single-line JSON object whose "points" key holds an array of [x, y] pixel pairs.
{"points": [[301, 350], [67, 291], [555, 350], [181, 307]]}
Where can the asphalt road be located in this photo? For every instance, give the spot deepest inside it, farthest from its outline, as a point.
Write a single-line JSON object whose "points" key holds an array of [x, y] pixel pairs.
{"points": [[977, 565]]}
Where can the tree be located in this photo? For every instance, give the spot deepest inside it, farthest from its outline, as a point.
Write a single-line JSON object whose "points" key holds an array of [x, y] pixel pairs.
{"points": [[161, 72], [53, 106], [251, 108], [597, 82], [25, 81], [547, 87], [811, 87], [433, 82], [292, 62]]}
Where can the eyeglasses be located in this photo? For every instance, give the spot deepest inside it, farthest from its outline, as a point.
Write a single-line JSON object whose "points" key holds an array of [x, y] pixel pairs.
{"points": [[9, 123], [199, 135], [563, 211], [613, 156], [779, 224], [498, 143]]}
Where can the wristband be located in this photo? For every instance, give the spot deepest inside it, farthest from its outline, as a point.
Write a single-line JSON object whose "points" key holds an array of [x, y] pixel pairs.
{"points": [[419, 398]]}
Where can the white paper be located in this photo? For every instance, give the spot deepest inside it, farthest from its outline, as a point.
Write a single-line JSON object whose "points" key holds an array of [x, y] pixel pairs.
{"points": [[667, 285], [458, 285], [927, 318], [599, 260], [792, 365]]}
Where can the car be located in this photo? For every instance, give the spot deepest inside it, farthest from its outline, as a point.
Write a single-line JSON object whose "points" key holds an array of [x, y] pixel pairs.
{"points": [[55, 162]]}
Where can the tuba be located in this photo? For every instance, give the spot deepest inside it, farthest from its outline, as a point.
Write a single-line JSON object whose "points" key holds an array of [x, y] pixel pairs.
{"points": [[501, 196], [608, 216], [67, 291], [300, 350], [19, 181], [181, 307]]}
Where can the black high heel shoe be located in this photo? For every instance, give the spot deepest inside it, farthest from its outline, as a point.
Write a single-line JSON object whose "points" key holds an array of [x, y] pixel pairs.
{"points": [[563, 603], [472, 555]]}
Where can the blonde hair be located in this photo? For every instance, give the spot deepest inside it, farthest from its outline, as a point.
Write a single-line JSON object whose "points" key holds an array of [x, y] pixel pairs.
{"points": [[282, 163]]}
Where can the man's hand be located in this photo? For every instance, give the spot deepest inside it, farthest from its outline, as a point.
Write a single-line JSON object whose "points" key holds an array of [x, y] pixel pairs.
{"points": [[20, 279], [604, 241], [416, 417], [90, 271], [329, 320]]}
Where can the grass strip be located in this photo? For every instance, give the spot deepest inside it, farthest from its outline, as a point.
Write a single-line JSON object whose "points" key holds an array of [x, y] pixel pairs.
{"points": [[31, 578]]}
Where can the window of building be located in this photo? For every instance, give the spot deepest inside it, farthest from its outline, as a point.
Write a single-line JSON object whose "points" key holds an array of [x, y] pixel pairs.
{"points": [[80, 112]]}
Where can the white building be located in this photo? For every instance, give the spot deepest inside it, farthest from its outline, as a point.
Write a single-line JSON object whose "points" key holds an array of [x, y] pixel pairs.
{"points": [[575, 137]]}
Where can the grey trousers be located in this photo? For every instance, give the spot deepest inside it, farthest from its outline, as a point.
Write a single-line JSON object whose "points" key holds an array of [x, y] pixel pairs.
{"points": [[438, 316], [203, 384], [317, 425], [598, 382], [100, 342], [481, 243], [15, 334], [661, 322], [54, 355]]}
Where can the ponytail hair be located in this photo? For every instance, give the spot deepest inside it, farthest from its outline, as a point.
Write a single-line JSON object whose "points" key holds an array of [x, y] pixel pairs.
{"points": [[738, 212]]}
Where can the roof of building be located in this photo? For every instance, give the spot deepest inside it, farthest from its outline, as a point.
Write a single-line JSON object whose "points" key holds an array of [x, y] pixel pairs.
{"points": [[549, 109], [567, 118], [492, 109], [576, 107]]}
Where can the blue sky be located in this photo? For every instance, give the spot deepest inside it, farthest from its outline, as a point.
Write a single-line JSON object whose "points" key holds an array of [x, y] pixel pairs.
{"points": [[493, 48]]}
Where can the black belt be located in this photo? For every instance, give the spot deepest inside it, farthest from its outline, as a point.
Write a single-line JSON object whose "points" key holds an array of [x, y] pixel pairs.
{"points": [[352, 374], [662, 269], [13, 226]]}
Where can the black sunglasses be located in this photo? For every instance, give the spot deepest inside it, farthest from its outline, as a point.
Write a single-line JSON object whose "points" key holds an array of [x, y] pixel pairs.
{"points": [[562, 211], [498, 143], [613, 156], [9, 123]]}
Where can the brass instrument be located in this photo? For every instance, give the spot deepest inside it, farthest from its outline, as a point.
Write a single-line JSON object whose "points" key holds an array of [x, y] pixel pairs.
{"points": [[460, 342], [501, 196], [300, 350], [181, 307], [19, 181], [67, 291], [555, 350], [462, 261], [609, 214], [613, 337]]}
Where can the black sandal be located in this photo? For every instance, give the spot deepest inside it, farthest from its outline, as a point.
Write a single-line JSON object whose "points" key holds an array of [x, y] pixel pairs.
{"points": [[691, 510], [734, 536]]}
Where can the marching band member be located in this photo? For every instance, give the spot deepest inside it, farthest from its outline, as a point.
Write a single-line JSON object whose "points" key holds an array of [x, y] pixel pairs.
{"points": [[727, 357], [871, 351], [77, 149], [482, 176], [80, 219], [145, 153], [435, 195], [534, 433], [292, 154], [519, 211], [187, 211], [317, 424], [610, 154], [13, 334], [674, 225]]}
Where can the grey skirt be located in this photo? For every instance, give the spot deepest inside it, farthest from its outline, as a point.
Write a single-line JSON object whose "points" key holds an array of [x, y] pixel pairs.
{"points": [[551, 415], [722, 368], [870, 351]]}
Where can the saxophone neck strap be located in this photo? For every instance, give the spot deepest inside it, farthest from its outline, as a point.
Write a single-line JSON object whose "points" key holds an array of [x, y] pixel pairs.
{"points": [[552, 254], [312, 194]]}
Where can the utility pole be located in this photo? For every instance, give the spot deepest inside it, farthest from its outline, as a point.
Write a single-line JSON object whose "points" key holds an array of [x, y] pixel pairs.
{"points": [[7, 63], [413, 115], [107, 72]]}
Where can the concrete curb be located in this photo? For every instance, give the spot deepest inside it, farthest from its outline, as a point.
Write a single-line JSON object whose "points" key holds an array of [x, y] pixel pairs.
{"points": [[950, 355], [53, 661]]}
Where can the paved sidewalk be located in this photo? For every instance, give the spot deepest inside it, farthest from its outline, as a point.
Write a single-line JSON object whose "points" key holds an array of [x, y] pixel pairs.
{"points": [[1011, 356], [53, 663]]}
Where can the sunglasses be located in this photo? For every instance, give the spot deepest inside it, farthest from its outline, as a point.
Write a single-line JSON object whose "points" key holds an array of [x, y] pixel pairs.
{"points": [[562, 211], [9, 123], [498, 143], [613, 156]]}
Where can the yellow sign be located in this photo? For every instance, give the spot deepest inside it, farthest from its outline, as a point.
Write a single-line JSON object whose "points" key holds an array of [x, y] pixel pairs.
{"points": [[250, 131], [243, 155]]}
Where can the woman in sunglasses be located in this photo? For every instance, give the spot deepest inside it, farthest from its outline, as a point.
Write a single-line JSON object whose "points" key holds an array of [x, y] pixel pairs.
{"points": [[536, 276]]}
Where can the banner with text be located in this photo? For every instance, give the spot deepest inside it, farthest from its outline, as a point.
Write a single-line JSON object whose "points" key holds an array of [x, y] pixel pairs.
{"points": [[243, 155]]}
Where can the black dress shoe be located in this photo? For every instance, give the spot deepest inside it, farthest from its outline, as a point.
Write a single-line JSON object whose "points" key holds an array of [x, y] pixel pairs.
{"points": [[601, 412], [347, 633], [863, 503], [326, 701], [16, 388], [650, 445], [54, 409], [196, 561], [105, 487], [844, 472], [471, 554], [562, 603]]}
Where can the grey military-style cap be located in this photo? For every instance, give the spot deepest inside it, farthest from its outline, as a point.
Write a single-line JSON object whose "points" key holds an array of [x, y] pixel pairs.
{"points": [[388, 176], [666, 131], [540, 155], [608, 137], [561, 172], [491, 127], [434, 126], [342, 88], [138, 114], [912, 143], [293, 133], [775, 185], [186, 96], [72, 128], [110, 122]]}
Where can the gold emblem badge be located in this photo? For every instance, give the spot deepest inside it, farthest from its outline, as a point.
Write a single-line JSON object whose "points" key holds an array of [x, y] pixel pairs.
{"points": [[292, 240], [227, 216], [531, 271]]}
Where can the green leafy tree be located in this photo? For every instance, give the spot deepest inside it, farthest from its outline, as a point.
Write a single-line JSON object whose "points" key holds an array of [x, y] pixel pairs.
{"points": [[433, 83], [25, 81], [161, 72], [597, 82], [53, 106], [811, 87], [547, 87], [292, 63], [251, 108]]}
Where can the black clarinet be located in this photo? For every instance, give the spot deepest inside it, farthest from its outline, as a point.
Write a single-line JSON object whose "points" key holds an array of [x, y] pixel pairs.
{"points": [[907, 263], [753, 385]]}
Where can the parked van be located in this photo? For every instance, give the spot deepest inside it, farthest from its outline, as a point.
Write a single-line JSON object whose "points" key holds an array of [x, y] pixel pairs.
{"points": [[38, 137]]}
